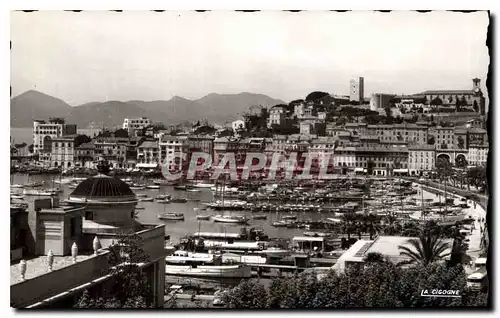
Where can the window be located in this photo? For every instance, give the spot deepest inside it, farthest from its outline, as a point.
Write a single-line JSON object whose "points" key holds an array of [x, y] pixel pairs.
{"points": [[89, 215]]}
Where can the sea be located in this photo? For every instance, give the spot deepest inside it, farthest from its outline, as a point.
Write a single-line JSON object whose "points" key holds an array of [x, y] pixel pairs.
{"points": [[20, 135]]}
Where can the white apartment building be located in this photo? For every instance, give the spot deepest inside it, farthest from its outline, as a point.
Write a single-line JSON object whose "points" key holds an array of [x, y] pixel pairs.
{"points": [[147, 155], [63, 152], [132, 124], [345, 157], [276, 116], [171, 150], [43, 133], [478, 154]]}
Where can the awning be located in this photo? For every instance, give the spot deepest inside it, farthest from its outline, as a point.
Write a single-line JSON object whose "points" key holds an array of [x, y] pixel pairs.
{"points": [[401, 170], [146, 165]]}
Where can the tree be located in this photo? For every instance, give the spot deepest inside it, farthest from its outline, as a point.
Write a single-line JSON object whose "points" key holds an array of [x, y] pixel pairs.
{"points": [[311, 97], [129, 285], [436, 102], [428, 248], [30, 148], [121, 133], [248, 294], [348, 224], [205, 130], [461, 162], [431, 140], [377, 285], [374, 257], [460, 142], [81, 139]]}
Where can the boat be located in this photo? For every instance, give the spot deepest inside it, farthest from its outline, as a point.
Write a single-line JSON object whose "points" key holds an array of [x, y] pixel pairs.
{"points": [[289, 217], [72, 186], [259, 217], [223, 271], [180, 187], [141, 195], [17, 186], [17, 197], [64, 181], [162, 197], [137, 187], [163, 201], [147, 199], [39, 192], [171, 216], [139, 208], [230, 219], [34, 184], [179, 200], [192, 190], [203, 217], [152, 186], [186, 258], [203, 185], [282, 224], [275, 252], [162, 182]]}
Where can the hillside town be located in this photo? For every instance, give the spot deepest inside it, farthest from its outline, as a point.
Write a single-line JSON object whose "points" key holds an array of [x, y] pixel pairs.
{"points": [[387, 135]]}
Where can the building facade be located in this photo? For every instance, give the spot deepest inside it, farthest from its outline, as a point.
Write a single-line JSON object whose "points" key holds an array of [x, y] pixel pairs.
{"points": [[43, 133], [148, 155], [133, 124], [63, 152], [478, 154], [276, 116], [357, 90], [380, 101], [421, 159]]}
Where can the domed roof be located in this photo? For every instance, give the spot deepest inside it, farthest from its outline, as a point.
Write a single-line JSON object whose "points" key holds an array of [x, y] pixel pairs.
{"points": [[102, 186]]}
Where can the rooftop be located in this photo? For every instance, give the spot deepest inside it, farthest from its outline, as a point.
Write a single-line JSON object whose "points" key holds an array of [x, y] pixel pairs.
{"points": [[389, 246], [149, 144], [39, 266], [447, 91]]}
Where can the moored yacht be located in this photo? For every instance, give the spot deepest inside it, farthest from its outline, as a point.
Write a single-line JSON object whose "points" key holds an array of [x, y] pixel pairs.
{"points": [[230, 219]]}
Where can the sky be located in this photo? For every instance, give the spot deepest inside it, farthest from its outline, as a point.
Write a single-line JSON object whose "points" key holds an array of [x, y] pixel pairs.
{"points": [[143, 55]]}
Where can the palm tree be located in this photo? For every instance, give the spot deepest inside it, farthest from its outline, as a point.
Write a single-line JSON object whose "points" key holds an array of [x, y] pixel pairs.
{"points": [[390, 224], [425, 250], [348, 225], [370, 225]]}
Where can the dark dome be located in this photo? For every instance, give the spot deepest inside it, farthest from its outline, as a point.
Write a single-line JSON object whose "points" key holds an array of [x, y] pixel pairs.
{"points": [[102, 186]]}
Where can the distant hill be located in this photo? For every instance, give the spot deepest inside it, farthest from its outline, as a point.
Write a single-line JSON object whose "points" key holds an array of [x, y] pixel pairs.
{"points": [[229, 107], [215, 108], [32, 105]]}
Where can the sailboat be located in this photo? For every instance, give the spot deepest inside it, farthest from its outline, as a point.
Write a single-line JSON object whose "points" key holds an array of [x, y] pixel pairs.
{"points": [[228, 218]]}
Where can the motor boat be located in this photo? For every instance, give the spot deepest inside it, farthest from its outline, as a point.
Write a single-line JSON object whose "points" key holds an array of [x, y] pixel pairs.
{"points": [[146, 199], [171, 216], [152, 186], [163, 201], [230, 219], [17, 186]]}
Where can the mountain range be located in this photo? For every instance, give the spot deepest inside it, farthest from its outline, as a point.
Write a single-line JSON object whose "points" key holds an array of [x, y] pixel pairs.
{"points": [[216, 108]]}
